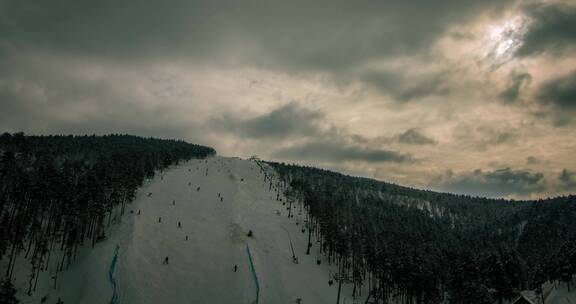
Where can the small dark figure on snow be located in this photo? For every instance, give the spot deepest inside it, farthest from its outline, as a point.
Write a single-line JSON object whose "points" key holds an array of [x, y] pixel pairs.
{"points": [[235, 268], [186, 237], [330, 283], [221, 199], [249, 233], [44, 298], [173, 202], [198, 189], [60, 301], [160, 220], [138, 211], [166, 261], [179, 225]]}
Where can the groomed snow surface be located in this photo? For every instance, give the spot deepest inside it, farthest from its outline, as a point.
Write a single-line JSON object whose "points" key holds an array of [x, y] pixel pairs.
{"points": [[200, 269]]}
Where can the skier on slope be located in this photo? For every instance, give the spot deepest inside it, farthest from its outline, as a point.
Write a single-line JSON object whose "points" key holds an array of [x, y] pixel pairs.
{"points": [[166, 261]]}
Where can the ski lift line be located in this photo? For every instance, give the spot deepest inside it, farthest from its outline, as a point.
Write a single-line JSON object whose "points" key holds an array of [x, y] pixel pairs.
{"points": [[112, 279], [294, 257], [253, 274]]}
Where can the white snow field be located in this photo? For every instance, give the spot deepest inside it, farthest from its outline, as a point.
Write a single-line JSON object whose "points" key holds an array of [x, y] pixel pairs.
{"points": [[200, 269]]}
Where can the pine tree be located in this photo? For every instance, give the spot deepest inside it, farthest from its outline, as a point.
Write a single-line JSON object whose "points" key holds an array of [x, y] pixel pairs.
{"points": [[8, 293]]}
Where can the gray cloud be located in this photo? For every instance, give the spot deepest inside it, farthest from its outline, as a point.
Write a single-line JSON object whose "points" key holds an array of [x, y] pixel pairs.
{"points": [[285, 121], [407, 87], [533, 160], [560, 92], [484, 137], [497, 183], [179, 68], [41, 96], [552, 28], [328, 144], [324, 35], [568, 180], [42, 117], [411, 136], [415, 137], [338, 152], [515, 84]]}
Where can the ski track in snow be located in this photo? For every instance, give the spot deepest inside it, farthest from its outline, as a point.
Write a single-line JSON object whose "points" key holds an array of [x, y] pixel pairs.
{"points": [[200, 269], [254, 274], [114, 299]]}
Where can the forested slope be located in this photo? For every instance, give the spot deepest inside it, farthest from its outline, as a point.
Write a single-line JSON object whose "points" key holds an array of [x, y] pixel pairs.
{"points": [[429, 247], [58, 192], [406, 245]]}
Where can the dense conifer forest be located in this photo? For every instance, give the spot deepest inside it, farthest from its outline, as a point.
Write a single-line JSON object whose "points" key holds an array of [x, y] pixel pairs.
{"points": [[429, 247], [58, 193]]}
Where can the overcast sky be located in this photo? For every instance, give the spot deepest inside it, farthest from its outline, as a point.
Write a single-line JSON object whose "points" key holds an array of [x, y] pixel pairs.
{"points": [[475, 97]]}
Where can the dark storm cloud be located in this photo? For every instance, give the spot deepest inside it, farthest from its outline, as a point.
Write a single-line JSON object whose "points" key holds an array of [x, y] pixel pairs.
{"points": [[415, 137], [53, 117], [560, 92], [497, 183], [324, 35], [44, 97], [516, 82], [338, 152], [323, 142], [286, 121], [46, 124], [552, 28], [405, 87]]}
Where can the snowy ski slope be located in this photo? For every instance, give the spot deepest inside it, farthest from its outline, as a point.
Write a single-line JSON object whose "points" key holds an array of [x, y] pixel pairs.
{"points": [[200, 269], [217, 201]]}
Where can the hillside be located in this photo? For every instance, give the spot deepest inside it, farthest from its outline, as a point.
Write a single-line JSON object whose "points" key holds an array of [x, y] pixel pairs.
{"points": [[200, 268], [122, 219], [430, 247]]}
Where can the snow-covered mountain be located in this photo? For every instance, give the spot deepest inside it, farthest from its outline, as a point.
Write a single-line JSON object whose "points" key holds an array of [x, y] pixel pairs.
{"points": [[212, 230], [198, 215]]}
